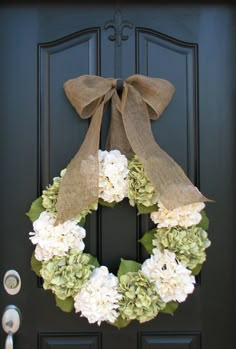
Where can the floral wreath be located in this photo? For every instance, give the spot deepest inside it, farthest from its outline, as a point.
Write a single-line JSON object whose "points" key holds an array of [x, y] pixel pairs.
{"points": [[176, 246]]}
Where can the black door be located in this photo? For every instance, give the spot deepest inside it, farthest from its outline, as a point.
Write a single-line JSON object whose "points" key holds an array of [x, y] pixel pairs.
{"points": [[193, 47]]}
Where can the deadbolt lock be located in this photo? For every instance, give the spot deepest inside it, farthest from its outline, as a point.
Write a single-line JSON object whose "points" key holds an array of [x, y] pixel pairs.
{"points": [[12, 282]]}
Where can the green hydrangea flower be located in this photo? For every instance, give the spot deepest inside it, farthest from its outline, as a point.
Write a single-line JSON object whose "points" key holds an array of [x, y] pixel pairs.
{"points": [[140, 300], [86, 211], [188, 244], [140, 190], [50, 194], [66, 275]]}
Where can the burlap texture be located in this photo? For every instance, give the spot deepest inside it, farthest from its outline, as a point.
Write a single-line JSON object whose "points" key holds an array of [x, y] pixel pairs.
{"points": [[143, 98]]}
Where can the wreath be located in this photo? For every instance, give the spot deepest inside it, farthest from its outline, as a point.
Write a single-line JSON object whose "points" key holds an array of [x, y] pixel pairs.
{"points": [[176, 245]]}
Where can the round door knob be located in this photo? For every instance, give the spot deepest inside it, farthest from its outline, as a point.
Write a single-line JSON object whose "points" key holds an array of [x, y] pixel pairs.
{"points": [[11, 319]]}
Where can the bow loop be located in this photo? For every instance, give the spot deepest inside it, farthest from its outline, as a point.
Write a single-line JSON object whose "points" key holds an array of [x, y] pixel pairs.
{"points": [[87, 92], [156, 93]]}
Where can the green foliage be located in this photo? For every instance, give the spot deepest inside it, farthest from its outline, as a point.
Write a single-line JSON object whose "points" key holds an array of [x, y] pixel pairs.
{"points": [[146, 240], [65, 304], [93, 261], [82, 222], [170, 308], [35, 265], [197, 269], [146, 209], [107, 204], [121, 323], [35, 209], [127, 266], [82, 216], [204, 223]]}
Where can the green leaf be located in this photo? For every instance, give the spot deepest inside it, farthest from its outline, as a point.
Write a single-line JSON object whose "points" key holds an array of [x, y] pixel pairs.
{"points": [[35, 209], [107, 204], [204, 223], [197, 269], [127, 266], [36, 265], [170, 308], [120, 323], [93, 260], [82, 222], [66, 304], [145, 210], [146, 240]]}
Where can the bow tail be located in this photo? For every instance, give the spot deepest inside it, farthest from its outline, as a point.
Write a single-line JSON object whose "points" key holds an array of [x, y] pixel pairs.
{"points": [[117, 138], [79, 185], [173, 187]]}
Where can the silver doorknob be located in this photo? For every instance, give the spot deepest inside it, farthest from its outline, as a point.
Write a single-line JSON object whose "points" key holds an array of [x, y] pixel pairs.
{"points": [[11, 320]]}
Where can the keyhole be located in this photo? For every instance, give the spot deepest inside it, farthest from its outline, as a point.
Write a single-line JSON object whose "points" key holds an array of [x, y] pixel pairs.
{"points": [[12, 281], [9, 324]]}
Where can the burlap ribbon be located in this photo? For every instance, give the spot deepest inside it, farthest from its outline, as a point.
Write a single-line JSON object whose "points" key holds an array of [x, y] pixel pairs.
{"points": [[143, 98]]}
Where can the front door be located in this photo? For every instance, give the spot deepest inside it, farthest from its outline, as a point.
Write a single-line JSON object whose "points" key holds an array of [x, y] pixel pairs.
{"points": [[43, 46]]}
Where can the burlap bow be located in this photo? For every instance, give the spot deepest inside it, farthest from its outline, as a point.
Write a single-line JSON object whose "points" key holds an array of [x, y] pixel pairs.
{"points": [[143, 98]]}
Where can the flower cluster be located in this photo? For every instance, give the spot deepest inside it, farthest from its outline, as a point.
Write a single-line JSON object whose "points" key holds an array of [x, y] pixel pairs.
{"points": [[189, 245], [113, 176], [184, 216], [141, 191], [50, 194], [98, 299], [66, 275], [172, 279], [140, 300], [53, 240], [79, 218]]}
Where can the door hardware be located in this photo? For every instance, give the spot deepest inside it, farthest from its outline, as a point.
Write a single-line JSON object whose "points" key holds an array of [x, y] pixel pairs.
{"points": [[12, 282], [11, 320]]}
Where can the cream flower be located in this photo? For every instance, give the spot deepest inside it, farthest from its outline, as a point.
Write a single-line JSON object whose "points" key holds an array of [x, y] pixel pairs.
{"points": [[56, 240], [173, 281], [183, 216], [98, 299], [113, 172]]}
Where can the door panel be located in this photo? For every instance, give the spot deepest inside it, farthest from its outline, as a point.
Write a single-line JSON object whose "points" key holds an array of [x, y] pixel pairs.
{"points": [[68, 341], [171, 341], [176, 61], [194, 48], [59, 61]]}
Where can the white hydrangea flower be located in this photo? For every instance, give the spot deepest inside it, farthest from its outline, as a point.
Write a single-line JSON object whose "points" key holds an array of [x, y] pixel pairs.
{"points": [[56, 240], [113, 175], [184, 216], [98, 299], [172, 279]]}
